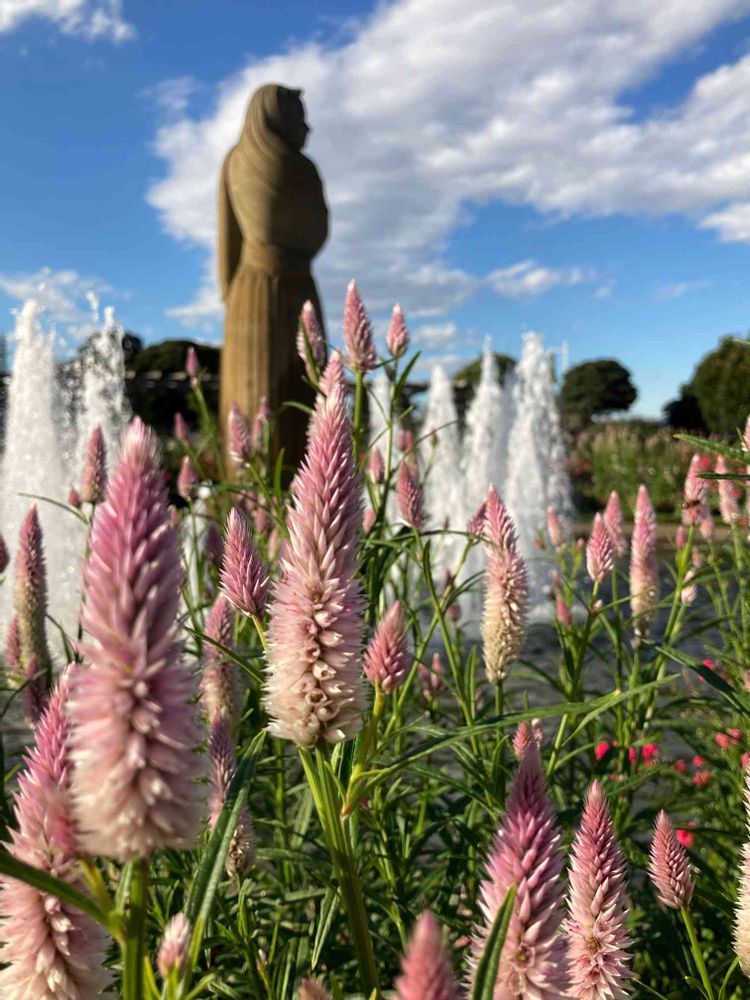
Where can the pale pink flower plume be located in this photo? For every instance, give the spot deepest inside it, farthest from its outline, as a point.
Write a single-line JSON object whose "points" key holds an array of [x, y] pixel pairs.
{"points": [[134, 728], [432, 677], [563, 612], [397, 338], [220, 686], [746, 435], [360, 349], [30, 594], [262, 416], [598, 960], [681, 537], [376, 465], [644, 567], [526, 853], [410, 496], [506, 593], [192, 365], [13, 669], [74, 498], [174, 947], [741, 934], [223, 766], [728, 505], [243, 576], [689, 590], [615, 525], [311, 344], [706, 527], [180, 429], [333, 379], [554, 528], [528, 732], [4, 555], [94, 477], [669, 867], [52, 950], [695, 495], [368, 521], [314, 691], [238, 432], [600, 554], [475, 524], [34, 696], [426, 972], [387, 655], [311, 990], [187, 480]]}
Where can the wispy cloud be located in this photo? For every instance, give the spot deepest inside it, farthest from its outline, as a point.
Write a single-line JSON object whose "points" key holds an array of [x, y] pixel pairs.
{"points": [[605, 291], [675, 290], [527, 279], [68, 298], [90, 19]]}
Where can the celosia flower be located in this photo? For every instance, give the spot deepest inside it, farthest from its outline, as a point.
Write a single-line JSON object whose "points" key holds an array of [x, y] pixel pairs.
{"points": [[368, 520], [526, 853], [554, 528], [689, 590], [4, 555], [333, 378], [432, 677], [410, 496], [681, 537], [475, 524], [376, 465], [405, 441], [134, 728], [600, 556], [426, 972], [223, 766], [728, 506], [685, 837], [644, 568], [601, 749], [397, 338], [180, 429], [695, 495], [30, 595], [360, 349], [187, 480], [597, 942], [51, 950], [669, 867], [526, 734], [706, 527], [702, 778], [506, 593], [243, 577], [34, 694], [387, 655], [260, 421], [173, 950], [310, 990], [192, 365], [238, 432], [613, 522], [13, 669], [74, 498], [742, 907], [563, 612], [94, 478], [220, 687], [311, 343]]}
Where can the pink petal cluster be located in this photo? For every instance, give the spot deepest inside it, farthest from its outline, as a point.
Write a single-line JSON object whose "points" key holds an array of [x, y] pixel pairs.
{"points": [[4, 555], [243, 577], [475, 524], [554, 528], [615, 525], [74, 498], [220, 687], [238, 433], [94, 478], [728, 506], [526, 853], [52, 951], [311, 990], [563, 612], [410, 496], [134, 728], [695, 495], [192, 365], [311, 344], [260, 421], [528, 732], [506, 594], [397, 338], [598, 961], [669, 867], [360, 348], [223, 766], [644, 568], [387, 655], [333, 378], [30, 595], [34, 694], [376, 466], [314, 692], [187, 480], [13, 653], [689, 590], [180, 429], [426, 972], [600, 555], [742, 908], [173, 950]]}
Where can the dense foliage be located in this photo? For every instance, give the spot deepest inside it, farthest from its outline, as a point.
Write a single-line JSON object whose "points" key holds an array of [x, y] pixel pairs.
{"points": [[721, 385], [593, 388]]}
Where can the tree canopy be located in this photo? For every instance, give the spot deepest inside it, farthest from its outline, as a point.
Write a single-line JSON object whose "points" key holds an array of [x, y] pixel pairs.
{"points": [[721, 385], [595, 387]]}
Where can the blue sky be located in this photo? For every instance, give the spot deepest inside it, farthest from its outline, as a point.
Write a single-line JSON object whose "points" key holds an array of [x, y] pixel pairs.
{"points": [[577, 167]]}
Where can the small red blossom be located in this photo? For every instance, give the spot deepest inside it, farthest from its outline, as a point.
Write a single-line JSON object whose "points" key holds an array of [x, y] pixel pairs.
{"points": [[601, 749], [701, 778]]}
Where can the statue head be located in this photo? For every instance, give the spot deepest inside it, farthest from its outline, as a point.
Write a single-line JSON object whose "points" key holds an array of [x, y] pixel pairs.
{"points": [[280, 111]]}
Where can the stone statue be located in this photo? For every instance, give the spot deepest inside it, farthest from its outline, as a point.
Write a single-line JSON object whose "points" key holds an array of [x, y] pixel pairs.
{"points": [[273, 219]]}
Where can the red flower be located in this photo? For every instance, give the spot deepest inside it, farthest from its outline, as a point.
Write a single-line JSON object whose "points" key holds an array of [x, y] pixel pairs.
{"points": [[601, 750]]}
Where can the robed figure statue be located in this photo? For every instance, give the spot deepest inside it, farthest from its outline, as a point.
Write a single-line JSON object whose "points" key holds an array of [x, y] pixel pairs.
{"points": [[273, 219]]}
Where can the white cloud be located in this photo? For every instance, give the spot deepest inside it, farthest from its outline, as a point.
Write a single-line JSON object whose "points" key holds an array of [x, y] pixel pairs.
{"points": [[676, 289], [90, 19], [527, 279], [434, 108], [64, 295], [172, 96], [435, 335], [604, 291]]}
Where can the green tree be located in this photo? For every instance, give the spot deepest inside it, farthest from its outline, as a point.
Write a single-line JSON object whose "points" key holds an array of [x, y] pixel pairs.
{"points": [[721, 385], [684, 413], [469, 375], [594, 388]]}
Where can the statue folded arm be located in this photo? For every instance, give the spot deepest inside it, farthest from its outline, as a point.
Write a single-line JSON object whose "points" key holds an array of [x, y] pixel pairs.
{"points": [[229, 238]]}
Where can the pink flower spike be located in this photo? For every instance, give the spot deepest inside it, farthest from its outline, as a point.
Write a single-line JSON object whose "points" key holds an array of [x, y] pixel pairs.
{"points": [[397, 338], [644, 568], [238, 432], [387, 656], [360, 349], [695, 495], [526, 734], [728, 505], [13, 669], [689, 590], [310, 341], [4, 555], [192, 365], [30, 594], [600, 554], [260, 421], [475, 524], [51, 949], [74, 498], [187, 481], [499, 530], [314, 691], [741, 934], [173, 951], [180, 429], [134, 729], [506, 593], [613, 522], [333, 379], [563, 612], [376, 466], [426, 969], [34, 694], [223, 766], [410, 496], [220, 687], [554, 528], [681, 537], [526, 853], [598, 961], [669, 867], [94, 478], [243, 577], [312, 990]]}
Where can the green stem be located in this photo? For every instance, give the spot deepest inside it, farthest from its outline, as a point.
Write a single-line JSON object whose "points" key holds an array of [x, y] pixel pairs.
{"points": [[358, 390], [135, 939], [697, 953]]}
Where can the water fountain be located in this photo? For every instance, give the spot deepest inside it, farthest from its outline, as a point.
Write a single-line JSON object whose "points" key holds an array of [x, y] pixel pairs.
{"points": [[440, 452]]}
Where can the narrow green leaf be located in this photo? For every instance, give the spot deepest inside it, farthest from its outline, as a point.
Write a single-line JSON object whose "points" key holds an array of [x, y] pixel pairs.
{"points": [[486, 974], [328, 910]]}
